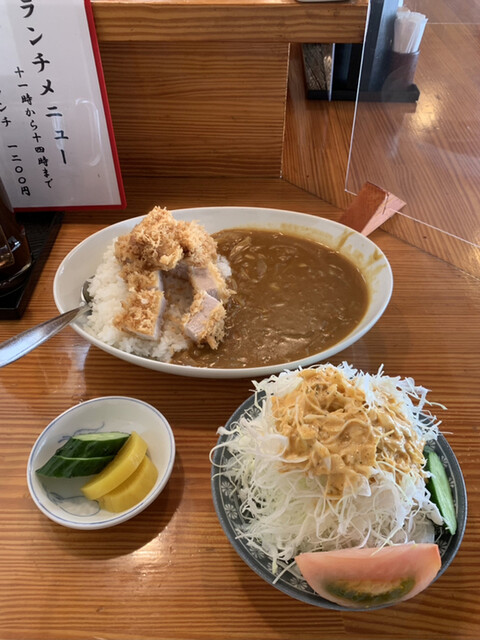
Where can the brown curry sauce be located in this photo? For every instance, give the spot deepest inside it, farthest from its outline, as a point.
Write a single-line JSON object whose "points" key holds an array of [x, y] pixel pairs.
{"points": [[294, 298]]}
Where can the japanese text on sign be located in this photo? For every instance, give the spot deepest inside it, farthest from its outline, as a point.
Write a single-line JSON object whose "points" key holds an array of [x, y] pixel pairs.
{"points": [[56, 147]]}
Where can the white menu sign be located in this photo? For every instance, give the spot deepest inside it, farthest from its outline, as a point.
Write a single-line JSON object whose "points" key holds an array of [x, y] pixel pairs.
{"points": [[57, 148]]}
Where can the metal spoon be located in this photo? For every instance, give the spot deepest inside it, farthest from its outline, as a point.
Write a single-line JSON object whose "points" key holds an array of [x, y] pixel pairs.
{"points": [[18, 346]]}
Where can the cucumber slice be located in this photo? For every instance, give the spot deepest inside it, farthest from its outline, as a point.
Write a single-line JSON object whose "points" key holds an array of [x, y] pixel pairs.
{"points": [[440, 490], [93, 445], [62, 467]]}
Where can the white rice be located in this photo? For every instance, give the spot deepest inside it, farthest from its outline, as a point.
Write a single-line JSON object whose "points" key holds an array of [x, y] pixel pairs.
{"points": [[108, 290]]}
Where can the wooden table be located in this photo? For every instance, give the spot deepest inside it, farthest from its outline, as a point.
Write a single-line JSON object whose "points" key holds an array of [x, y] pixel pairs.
{"points": [[170, 572]]}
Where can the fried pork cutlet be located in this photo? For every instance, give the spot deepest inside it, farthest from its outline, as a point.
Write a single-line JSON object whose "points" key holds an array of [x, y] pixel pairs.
{"points": [[204, 323], [152, 244], [161, 243], [199, 248], [142, 313], [143, 310], [209, 279]]}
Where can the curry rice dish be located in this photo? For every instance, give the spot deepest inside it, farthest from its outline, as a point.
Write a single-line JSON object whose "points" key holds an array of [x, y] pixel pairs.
{"points": [[239, 298]]}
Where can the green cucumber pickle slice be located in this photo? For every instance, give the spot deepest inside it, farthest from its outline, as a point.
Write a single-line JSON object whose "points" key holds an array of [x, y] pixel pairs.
{"points": [[440, 490], [62, 467], [93, 445]]}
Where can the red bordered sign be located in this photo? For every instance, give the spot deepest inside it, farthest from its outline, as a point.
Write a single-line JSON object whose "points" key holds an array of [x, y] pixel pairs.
{"points": [[57, 145]]}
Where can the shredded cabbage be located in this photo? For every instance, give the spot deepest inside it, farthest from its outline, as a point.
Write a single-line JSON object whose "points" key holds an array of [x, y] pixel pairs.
{"points": [[287, 511]]}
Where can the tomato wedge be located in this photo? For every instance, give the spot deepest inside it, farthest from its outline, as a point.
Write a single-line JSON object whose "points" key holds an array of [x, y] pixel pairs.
{"points": [[365, 578]]}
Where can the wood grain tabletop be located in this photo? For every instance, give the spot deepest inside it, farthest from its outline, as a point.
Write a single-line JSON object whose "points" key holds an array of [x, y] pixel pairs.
{"points": [[170, 572]]}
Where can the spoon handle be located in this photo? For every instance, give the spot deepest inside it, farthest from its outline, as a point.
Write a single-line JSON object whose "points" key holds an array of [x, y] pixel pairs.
{"points": [[18, 346]]}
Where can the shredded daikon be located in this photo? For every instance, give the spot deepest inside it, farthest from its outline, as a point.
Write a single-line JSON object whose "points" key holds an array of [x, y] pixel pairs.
{"points": [[293, 501]]}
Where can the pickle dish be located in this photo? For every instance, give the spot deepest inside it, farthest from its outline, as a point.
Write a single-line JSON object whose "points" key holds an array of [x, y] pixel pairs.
{"points": [[61, 498]]}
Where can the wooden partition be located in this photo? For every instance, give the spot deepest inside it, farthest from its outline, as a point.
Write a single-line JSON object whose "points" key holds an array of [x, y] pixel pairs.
{"points": [[215, 109], [229, 20], [199, 87]]}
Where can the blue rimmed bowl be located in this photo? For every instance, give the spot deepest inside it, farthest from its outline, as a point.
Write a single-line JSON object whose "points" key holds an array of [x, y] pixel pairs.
{"points": [[228, 505]]}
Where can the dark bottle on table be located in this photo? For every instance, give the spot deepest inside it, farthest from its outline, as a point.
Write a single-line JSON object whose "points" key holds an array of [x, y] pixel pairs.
{"points": [[15, 256]]}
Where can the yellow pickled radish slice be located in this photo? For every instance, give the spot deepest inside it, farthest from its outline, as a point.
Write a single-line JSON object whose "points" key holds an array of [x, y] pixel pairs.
{"points": [[118, 470], [133, 490]]}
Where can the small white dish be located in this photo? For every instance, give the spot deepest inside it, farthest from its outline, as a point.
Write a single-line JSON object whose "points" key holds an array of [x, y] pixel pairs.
{"points": [[82, 262], [61, 499]]}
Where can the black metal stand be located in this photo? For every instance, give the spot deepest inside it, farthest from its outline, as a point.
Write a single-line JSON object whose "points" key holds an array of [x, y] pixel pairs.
{"points": [[41, 228]]}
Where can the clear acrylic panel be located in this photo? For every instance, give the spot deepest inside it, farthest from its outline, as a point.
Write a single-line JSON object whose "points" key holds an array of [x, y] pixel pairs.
{"points": [[417, 133]]}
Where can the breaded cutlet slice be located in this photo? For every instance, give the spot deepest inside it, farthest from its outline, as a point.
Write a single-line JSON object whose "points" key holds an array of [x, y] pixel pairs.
{"points": [[153, 243], [199, 247], [142, 313], [205, 320], [137, 280], [209, 279]]}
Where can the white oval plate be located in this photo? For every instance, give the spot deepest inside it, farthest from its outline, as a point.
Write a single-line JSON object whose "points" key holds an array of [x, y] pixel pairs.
{"points": [[82, 262], [61, 499]]}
